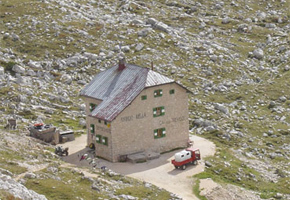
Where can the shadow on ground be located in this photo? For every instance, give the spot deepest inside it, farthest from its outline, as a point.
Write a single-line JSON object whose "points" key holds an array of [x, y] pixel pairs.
{"points": [[125, 168]]}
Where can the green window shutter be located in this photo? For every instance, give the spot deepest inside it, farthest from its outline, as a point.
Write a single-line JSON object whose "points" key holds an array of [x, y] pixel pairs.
{"points": [[105, 140], [163, 132], [144, 97], [92, 106], [98, 138], [155, 133], [154, 112], [171, 91], [160, 93], [92, 128], [162, 110]]}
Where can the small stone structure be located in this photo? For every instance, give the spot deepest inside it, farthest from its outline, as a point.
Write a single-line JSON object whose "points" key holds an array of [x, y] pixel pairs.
{"points": [[66, 136], [50, 134], [46, 134]]}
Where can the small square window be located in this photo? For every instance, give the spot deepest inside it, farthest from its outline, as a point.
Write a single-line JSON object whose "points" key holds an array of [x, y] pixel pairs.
{"points": [[100, 121], [158, 111], [157, 93], [159, 133], [171, 91], [105, 122], [92, 106], [144, 97]]}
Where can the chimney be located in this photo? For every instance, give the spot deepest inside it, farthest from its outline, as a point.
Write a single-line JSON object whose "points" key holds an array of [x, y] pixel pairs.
{"points": [[122, 64]]}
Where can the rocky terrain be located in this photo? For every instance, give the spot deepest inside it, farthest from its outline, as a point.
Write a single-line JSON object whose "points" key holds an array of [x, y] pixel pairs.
{"points": [[233, 56]]}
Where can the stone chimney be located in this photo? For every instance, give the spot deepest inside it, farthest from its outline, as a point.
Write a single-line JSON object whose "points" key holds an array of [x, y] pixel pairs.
{"points": [[122, 64]]}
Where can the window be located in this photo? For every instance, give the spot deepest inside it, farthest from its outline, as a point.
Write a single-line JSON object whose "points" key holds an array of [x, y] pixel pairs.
{"points": [[171, 91], [159, 133], [98, 139], [157, 93], [100, 121], [159, 111], [92, 106], [105, 122], [104, 140], [92, 128], [143, 97]]}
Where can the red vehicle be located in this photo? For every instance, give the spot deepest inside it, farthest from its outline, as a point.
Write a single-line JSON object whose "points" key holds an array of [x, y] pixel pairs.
{"points": [[184, 157]]}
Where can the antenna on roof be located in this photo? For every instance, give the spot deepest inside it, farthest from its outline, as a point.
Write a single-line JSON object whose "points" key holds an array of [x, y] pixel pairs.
{"points": [[152, 67]]}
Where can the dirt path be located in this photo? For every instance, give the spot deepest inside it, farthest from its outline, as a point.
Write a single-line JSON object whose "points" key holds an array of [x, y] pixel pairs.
{"points": [[31, 169], [159, 172]]}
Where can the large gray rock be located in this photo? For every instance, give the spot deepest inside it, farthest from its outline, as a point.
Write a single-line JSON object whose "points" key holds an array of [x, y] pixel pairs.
{"points": [[221, 108], [139, 47], [258, 53], [144, 32], [18, 69], [1, 71], [35, 65], [65, 78], [162, 27], [18, 190]]}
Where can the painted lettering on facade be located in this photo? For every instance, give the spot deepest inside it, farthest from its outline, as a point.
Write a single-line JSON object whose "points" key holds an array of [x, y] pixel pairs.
{"points": [[140, 115], [173, 120], [132, 117], [127, 118]]}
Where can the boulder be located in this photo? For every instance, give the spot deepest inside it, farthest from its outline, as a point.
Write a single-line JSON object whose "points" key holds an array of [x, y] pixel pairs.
{"points": [[65, 78], [2, 71], [18, 69], [139, 47], [258, 53], [144, 32]]}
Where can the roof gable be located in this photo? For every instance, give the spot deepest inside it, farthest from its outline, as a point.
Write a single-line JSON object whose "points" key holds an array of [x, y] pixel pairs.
{"points": [[118, 88]]}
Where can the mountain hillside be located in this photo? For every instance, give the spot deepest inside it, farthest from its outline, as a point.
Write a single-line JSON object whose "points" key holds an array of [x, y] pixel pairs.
{"points": [[234, 56]]}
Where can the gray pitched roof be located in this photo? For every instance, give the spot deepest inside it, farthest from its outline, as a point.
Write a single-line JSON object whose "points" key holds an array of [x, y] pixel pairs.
{"points": [[118, 88]]}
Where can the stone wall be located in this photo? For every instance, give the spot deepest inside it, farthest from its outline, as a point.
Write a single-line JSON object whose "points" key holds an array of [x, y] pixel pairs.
{"points": [[133, 129]]}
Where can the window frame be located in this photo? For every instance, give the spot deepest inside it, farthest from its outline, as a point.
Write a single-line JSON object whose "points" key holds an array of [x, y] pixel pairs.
{"points": [[92, 128], [156, 110], [143, 97], [99, 139], [172, 91], [159, 133], [92, 106], [104, 140], [158, 93]]}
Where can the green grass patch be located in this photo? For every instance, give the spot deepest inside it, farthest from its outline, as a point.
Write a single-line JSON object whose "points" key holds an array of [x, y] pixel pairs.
{"points": [[142, 192], [70, 186], [228, 169], [8, 161], [196, 190]]}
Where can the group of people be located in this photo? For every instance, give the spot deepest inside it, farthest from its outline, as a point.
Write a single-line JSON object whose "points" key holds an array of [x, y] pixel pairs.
{"points": [[92, 161]]}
